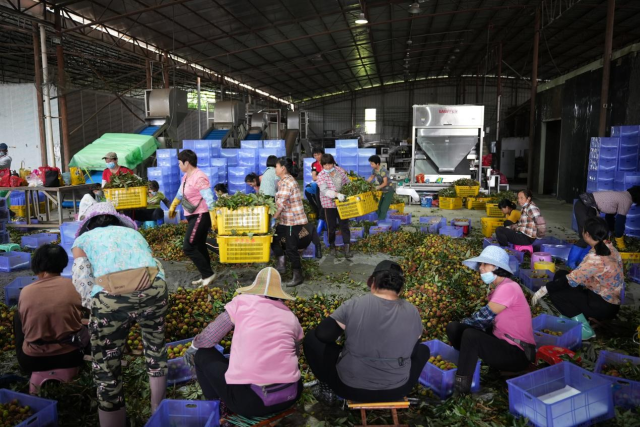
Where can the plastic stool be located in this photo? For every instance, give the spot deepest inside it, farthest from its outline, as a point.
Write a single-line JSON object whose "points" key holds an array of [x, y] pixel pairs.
{"points": [[394, 406], [523, 248], [8, 247], [551, 354], [62, 375], [540, 256]]}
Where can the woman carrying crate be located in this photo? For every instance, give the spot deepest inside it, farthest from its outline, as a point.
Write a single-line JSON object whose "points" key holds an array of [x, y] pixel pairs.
{"points": [[291, 218], [381, 178], [121, 283], [330, 181], [529, 227], [594, 289], [382, 356], [262, 376], [196, 198], [501, 332]]}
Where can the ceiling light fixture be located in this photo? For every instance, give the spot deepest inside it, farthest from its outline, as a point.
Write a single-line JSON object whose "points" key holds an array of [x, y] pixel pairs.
{"points": [[414, 8], [361, 20]]}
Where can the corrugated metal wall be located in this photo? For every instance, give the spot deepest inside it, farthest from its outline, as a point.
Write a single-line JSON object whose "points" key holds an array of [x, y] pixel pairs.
{"points": [[394, 112]]}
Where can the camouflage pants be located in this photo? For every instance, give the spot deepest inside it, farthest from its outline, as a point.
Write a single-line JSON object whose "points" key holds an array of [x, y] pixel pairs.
{"points": [[111, 318]]}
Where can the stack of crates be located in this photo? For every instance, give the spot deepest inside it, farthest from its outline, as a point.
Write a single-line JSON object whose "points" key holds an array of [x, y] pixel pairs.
{"points": [[4, 219], [307, 177], [613, 162], [364, 167], [347, 154], [167, 173], [17, 203], [237, 175], [628, 173]]}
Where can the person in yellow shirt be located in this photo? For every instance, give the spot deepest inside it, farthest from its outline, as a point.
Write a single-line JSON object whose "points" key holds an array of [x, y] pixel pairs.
{"points": [[512, 215]]}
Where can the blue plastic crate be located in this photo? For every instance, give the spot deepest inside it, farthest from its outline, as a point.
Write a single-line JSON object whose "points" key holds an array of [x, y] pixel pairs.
{"points": [[370, 217], [186, 413], [357, 233], [488, 241], [231, 155], [512, 252], [379, 229], [450, 231], [632, 232], [332, 151], [532, 278], [167, 153], [405, 219], [274, 143], [68, 232], [69, 250], [626, 393], [251, 144], [4, 214], [432, 224], [339, 241], [309, 252], [514, 264], [540, 396], [178, 371], [13, 289], [34, 241], [558, 251], [625, 131], [4, 237], [631, 179], [391, 222], [441, 382], [548, 240], [571, 337], [45, 411], [347, 143]]}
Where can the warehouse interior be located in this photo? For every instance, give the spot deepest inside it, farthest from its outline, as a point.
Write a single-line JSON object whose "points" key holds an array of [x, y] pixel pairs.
{"points": [[514, 94]]}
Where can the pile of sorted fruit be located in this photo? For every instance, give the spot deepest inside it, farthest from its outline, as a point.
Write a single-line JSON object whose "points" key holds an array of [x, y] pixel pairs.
{"points": [[241, 200], [550, 332], [466, 182], [166, 241], [174, 352], [626, 370], [447, 192], [125, 181], [7, 339], [441, 363], [509, 195], [537, 274], [356, 187], [12, 413], [632, 244]]}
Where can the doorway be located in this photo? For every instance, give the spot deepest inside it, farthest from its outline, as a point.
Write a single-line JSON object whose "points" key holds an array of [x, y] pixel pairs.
{"points": [[550, 150]]}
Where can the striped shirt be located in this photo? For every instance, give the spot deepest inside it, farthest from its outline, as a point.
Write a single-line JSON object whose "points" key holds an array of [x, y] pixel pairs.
{"points": [[613, 202], [289, 202], [327, 182], [531, 223]]}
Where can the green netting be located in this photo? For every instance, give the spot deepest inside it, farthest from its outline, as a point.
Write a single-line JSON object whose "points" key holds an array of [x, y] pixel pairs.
{"points": [[131, 148]]}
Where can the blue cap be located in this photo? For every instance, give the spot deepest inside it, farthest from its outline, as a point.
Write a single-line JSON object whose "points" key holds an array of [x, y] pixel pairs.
{"points": [[3, 146]]}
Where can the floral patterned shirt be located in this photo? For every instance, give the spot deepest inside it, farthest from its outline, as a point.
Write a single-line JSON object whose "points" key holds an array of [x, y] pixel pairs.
{"points": [[601, 274]]}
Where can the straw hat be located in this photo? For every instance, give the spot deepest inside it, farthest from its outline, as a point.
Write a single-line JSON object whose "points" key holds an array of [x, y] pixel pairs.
{"points": [[493, 255], [268, 284]]}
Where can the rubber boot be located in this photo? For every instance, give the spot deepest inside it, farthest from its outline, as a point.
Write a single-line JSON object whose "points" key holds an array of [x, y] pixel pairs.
{"points": [[462, 385], [321, 226], [113, 418], [280, 265], [587, 332], [620, 243], [574, 255], [158, 386], [159, 221], [319, 250], [347, 252], [297, 278], [332, 250]]}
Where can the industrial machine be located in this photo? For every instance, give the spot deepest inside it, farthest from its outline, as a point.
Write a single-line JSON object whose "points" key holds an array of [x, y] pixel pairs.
{"points": [[165, 109], [226, 122], [446, 145]]}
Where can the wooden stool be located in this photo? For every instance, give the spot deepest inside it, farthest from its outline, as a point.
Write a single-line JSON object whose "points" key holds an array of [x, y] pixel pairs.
{"points": [[39, 378], [394, 406]]}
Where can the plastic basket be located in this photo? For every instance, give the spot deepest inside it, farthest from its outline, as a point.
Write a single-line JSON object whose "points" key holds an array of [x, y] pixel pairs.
{"points": [[21, 210], [14, 260], [358, 205], [467, 191], [489, 242], [405, 219], [4, 215], [493, 210], [477, 203], [571, 337], [531, 396], [557, 251], [634, 273], [398, 207], [450, 203], [338, 241], [178, 371], [548, 240], [45, 411], [432, 224], [13, 289], [489, 225], [626, 393], [186, 413], [519, 255], [309, 252], [379, 229], [630, 256], [441, 382], [34, 241], [68, 232], [127, 198], [254, 219], [450, 231], [393, 223], [244, 249], [533, 279], [370, 217], [357, 233]]}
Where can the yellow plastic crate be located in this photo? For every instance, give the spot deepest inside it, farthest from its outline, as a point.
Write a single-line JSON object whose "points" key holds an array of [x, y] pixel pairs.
{"points": [[312, 217], [477, 203], [467, 191], [352, 178], [494, 210], [358, 205], [254, 219], [398, 206], [127, 198], [244, 249], [489, 225], [21, 210], [630, 256], [450, 203]]}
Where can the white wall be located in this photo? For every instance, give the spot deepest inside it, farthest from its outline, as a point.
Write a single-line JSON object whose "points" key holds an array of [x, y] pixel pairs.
{"points": [[19, 125], [517, 144]]}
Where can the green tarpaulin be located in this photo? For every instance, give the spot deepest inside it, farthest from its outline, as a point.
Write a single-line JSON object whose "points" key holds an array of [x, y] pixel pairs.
{"points": [[131, 149]]}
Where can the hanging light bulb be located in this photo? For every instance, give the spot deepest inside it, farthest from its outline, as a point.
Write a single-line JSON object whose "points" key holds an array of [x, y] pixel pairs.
{"points": [[362, 19], [414, 8]]}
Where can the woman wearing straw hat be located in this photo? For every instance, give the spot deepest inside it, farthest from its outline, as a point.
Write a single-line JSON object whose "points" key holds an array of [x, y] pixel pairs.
{"points": [[500, 333], [382, 356], [262, 375], [121, 283]]}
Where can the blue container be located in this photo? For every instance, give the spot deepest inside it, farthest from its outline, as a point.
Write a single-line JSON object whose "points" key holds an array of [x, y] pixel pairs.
{"points": [[167, 153], [426, 201], [488, 241], [432, 224], [532, 278], [394, 223], [186, 413], [440, 381], [631, 179], [274, 143], [13, 289], [34, 241], [370, 217], [231, 154], [455, 232], [255, 144], [514, 264], [45, 410], [68, 232], [332, 151], [558, 251], [347, 143], [547, 397], [625, 131], [379, 229], [626, 393], [512, 252], [339, 241], [405, 219], [357, 233], [548, 240], [571, 337], [309, 252]]}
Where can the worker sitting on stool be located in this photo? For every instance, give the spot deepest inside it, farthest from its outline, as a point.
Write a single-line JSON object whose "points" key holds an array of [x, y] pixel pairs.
{"points": [[529, 227], [382, 356], [615, 205], [593, 289]]}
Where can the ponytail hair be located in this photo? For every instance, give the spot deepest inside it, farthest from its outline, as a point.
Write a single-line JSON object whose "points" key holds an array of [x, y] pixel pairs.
{"points": [[598, 230]]}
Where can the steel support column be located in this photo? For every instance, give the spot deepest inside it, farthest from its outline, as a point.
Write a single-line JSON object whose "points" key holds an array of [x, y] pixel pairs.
{"points": [[606, 67], [62, 96], [498, 153], [165, 72], [534, 89], [37, 61], [148, 71]]}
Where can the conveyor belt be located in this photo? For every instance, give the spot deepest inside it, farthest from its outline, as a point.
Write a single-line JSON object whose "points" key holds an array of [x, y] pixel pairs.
{"points": [[253, 136], [149, 130], [216, 134]]}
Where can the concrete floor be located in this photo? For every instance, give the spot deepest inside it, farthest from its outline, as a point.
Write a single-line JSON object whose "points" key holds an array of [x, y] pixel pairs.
{"points": [[338, 276]]}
